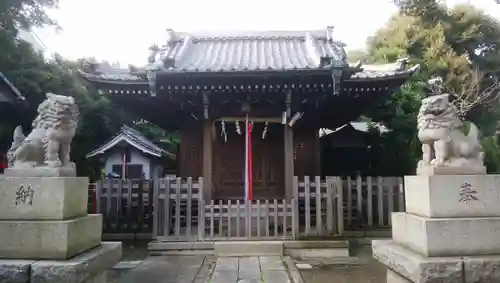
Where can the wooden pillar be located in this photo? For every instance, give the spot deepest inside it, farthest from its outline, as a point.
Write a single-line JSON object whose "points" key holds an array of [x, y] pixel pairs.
{"points": [[207, 160], [289, 170]]}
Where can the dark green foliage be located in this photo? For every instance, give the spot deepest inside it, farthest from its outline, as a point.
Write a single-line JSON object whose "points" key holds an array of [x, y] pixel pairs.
{"points": [[34, 76], [452, 43], [25, 13]]}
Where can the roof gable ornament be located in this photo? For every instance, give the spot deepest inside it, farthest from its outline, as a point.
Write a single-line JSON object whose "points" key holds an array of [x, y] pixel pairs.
{"points": [[151, 75], [153, 51], [91, 66], [171, 36], [329, 33], [337, 67]]}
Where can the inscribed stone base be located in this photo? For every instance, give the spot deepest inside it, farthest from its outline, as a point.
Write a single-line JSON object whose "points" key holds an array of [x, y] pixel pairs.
{"points": [[417, 268], [88, 267], [447, 236], [440, 196], [43, 198], [41, 171], [49, 239], [430, 170]]}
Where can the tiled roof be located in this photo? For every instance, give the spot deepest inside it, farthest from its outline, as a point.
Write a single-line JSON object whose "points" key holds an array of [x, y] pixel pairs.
{"points": [[8, 92], [133, 138], [249, 51], [246, 51]]}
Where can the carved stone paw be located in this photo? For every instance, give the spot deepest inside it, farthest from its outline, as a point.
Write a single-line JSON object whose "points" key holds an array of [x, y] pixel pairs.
{"points": [[54, 164], [437, 162], [422, 163]]}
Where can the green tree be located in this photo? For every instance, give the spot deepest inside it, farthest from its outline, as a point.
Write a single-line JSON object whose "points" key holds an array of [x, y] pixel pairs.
{"points": [[34, 76], [452, 43], [26, 13], [361, 55]]}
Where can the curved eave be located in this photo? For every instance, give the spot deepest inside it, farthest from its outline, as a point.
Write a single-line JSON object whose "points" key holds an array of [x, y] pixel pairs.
{"points": [[122, 137], [174, 75], [392, 75], [104, 79]]}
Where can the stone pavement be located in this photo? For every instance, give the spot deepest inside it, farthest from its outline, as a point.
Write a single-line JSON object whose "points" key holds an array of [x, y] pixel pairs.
{"points": [[202, 269], [169, 269], [250, 269]]}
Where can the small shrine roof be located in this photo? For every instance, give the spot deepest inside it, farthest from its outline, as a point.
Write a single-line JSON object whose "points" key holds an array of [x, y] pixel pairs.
{"points": [[133, 138], [353, 126], [8, 92], [244, 52]]}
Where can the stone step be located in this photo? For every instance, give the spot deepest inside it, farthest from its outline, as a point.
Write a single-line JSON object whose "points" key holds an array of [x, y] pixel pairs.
{"points": [[315, 244], [158, 246], [302, 249], [248, 248]]}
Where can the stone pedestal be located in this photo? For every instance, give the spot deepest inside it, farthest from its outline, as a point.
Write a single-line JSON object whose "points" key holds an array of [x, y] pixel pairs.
{"points": [[46, 234], [450, 231]]}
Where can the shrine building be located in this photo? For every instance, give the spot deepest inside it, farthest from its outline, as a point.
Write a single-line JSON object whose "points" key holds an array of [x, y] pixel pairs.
{"points": [[288, 83]]}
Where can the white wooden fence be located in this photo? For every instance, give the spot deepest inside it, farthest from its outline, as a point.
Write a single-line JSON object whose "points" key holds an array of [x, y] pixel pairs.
{"points": [[369, 201], [319, 207]]}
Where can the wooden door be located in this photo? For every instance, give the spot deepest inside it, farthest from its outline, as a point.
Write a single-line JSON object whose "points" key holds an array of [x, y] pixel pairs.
{"points": [[268, 168], [268, 162], [229, 166]]}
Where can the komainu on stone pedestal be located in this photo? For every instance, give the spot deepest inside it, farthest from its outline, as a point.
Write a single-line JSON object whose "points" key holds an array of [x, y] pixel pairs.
{"points": [[45, 152], [446, 149]]}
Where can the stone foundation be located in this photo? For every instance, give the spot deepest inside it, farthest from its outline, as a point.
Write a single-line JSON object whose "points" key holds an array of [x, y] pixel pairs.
{"points": [[432, 236], [449, 234], [85, 268], [49, 239], [46, 234]]}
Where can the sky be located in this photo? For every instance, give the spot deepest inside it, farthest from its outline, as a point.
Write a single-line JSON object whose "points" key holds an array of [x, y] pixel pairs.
{"points": [[122, 30]]}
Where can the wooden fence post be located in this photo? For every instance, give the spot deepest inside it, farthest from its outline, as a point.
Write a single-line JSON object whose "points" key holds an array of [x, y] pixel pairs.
{"points": [[380, 200], [349, 201], [401, 195], [168, 211], [329, 204], [319, 223], [98, 193], [295, 219], [307, 197], [340, 205], [178, 184], [156, 207], [369, 189]]}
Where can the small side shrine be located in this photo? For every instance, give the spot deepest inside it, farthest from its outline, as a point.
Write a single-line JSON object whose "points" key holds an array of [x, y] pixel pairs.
{"points": [[347, 150], [129, 154]]}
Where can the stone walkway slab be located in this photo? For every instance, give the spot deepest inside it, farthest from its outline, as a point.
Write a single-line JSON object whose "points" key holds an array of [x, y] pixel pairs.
{"points": [[165, 269], [227, 263], [265, 269], [203, 269]]}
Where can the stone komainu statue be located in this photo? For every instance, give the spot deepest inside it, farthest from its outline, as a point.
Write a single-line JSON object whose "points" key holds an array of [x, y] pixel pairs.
{"points": [[444, 143], [49, 143]]}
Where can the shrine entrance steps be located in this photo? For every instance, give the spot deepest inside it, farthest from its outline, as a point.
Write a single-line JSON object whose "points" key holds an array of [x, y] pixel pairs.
{"points": [[295, 249], [253, 261]]}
